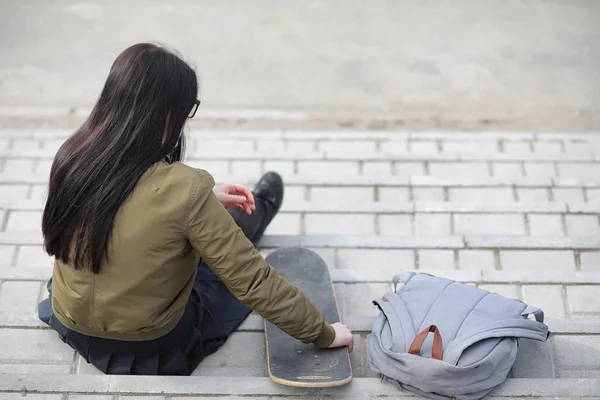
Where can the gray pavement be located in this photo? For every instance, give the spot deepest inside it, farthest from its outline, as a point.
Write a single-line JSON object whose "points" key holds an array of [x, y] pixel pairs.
{"points": [[515, 214], [449, 64]]}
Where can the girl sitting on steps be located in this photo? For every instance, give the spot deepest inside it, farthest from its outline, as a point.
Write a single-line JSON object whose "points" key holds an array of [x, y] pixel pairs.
{"points": [[151, 272]]}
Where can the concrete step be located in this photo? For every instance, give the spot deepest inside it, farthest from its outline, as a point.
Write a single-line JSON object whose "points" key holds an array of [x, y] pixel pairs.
{"points": [[388, 207], [344, 178], [387, 254], [41, 386], [571, 352], [515, 214], [388, 218]]}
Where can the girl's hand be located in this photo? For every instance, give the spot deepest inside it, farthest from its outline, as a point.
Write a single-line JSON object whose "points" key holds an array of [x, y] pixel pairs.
{"points": [[236, 196], [343, 336]]}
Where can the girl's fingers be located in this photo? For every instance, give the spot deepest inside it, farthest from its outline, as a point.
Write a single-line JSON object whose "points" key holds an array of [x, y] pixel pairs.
{"points": [[231, 198], [242, 190]]}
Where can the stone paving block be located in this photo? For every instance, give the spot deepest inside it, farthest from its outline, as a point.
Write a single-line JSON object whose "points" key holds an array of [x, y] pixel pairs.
{"points": [[52, 144], [428, 194], [385, 261], [284, 224], [32, 256], [592, 194], [479, 146], [463, 170], [576, 147], [392, 194], [13, 193], [26, 144], [507, 170], [30, 396], [19, 297], [568, 194], [4, 144], [532, 195], [508, 291], [39, 193], [489, 224], [157, 398], [579, 171], [271, 146], [394, 147], [359, 358], [343, 194], [578, 374], [517, 147], [534, 360], [547, 297], [7, 254], [90, 397], [432, 224], [42, 167], [395, 224], [582, 225], [408, 169], [353, 146], [418, 146], [85, 368], [540, 170], [242, 349], [43, 369], [17, 166], [436, 259], [207, 147], [376, 168], [538, 260], [283, 168], [590, 261], [357, 299], [24, 221], [33, 345], [339, 224], [246, 169], [239, 372], [486, 195], [218, 169], [576, 350], [301, 146], [294, 193], [584, 299], [476, 260], [327, 168], [547, 147], [545, 225]]}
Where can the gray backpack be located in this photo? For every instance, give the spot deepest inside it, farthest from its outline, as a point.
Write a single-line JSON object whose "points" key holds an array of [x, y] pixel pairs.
{"points": [[473, 344]]}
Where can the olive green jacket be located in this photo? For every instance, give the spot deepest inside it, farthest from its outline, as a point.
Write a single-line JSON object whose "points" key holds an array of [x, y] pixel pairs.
{"points": [[171, 220]]}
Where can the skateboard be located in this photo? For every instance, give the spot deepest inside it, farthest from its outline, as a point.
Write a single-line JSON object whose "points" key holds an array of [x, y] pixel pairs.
{"points": [[291, 362]]}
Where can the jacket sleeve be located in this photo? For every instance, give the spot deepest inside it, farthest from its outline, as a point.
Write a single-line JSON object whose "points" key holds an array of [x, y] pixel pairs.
{"points": [[215, 236]]}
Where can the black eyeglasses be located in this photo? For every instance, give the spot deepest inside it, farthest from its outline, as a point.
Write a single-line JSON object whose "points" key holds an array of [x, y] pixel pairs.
{"points": [[194, 109]]}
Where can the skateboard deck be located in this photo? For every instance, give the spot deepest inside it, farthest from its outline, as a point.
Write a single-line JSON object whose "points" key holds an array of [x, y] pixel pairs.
{"points": [[291, 362]]}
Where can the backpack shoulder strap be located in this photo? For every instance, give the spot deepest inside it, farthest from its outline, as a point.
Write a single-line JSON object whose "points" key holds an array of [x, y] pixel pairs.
{"points": [[404, 277], [536, 312], [399, 320], [518, 327]]}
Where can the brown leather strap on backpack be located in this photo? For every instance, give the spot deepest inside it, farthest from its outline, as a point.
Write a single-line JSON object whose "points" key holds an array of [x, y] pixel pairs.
{"points": [[436, 350]]}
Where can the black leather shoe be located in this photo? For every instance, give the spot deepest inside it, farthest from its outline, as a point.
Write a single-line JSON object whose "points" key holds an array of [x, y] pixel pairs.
{"points": [[268, 194], [270, 188]]}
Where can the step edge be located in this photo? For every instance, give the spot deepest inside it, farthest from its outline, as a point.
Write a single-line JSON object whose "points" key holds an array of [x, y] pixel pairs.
{"points": [[255, 386]]}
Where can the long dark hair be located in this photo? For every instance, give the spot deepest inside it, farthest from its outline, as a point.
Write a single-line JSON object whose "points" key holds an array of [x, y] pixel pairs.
{"points": [[136, 122]]}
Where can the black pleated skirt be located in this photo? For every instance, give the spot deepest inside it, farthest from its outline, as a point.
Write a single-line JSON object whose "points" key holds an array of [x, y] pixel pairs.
{"points": [[212, 313]]}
